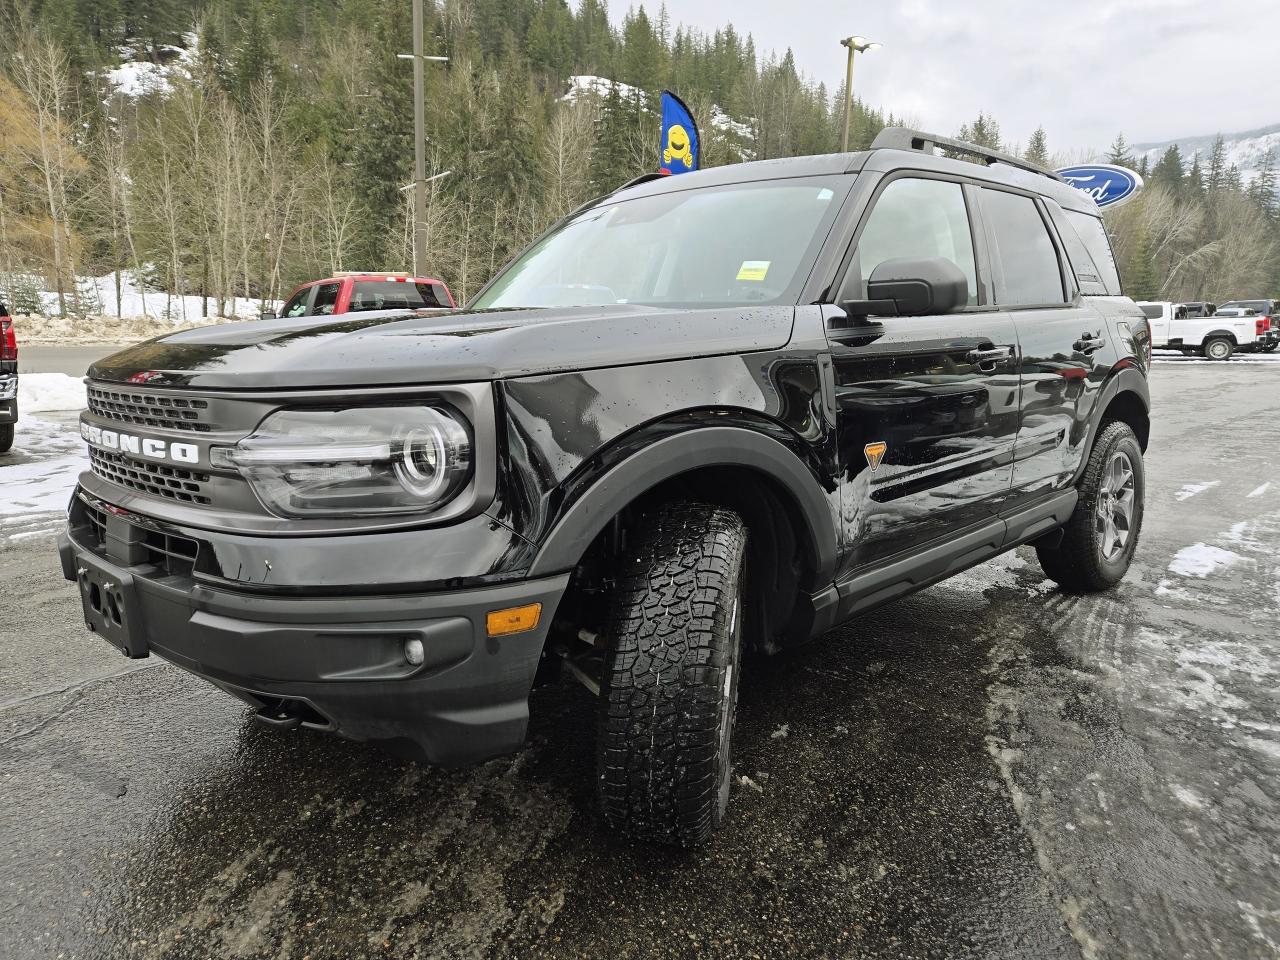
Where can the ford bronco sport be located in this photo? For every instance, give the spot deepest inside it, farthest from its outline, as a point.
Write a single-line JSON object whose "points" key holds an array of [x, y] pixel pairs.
{"points": [[723, 410]]}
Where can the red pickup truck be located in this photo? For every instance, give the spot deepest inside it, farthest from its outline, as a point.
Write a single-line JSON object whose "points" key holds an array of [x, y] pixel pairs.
{"points": [[8, 379], [352, 292]]}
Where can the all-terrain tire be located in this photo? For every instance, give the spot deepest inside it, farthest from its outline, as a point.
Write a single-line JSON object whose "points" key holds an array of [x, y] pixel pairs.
{"points": [[1080, 563], [671, 676], [6, 437], [1218, 348]]}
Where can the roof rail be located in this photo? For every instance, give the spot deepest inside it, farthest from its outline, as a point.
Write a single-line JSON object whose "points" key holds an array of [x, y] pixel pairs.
{"points": [[904, 138], [643, 178]]}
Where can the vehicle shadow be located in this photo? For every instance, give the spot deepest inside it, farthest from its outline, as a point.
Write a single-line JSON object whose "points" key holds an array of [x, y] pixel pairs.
{"points": [[867, 818]]}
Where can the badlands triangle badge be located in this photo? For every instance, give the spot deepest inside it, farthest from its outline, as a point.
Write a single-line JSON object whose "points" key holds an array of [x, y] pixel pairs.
{"points": [[875, 454]]}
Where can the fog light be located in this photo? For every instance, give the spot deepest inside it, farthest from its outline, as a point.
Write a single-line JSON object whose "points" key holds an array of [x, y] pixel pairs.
{"points": [[499, 623], [413, 652]]}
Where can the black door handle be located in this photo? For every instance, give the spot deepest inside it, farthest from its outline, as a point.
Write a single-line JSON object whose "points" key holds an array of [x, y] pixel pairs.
{"points": [[989, 357], [1089, 342]]}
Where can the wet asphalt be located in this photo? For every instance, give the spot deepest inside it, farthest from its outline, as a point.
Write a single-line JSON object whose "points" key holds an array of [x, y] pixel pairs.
{"points": [[989, 768]]}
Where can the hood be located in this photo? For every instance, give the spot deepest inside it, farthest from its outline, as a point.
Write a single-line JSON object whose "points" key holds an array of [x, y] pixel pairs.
{"points": [[439, 347]]}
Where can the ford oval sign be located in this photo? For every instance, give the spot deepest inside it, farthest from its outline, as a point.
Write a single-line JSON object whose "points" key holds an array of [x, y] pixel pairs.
{"points": [[1105, 183]]}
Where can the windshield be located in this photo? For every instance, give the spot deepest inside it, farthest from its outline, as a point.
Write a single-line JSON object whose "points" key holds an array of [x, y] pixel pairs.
{"points": [[736, 244], [1259, 305]]}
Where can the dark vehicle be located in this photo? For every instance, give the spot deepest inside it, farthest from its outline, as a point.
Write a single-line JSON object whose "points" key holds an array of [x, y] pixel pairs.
{"points": [[1199, 308], [712, 412], [8, 380], [362, 292]]}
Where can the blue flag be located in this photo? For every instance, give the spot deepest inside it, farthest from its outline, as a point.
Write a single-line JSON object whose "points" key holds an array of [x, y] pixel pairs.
{"points": [[678, 149]]}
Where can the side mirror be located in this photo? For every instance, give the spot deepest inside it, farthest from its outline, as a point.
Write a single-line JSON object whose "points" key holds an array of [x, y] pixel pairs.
{"points": [[267, 315], [913, 287]]}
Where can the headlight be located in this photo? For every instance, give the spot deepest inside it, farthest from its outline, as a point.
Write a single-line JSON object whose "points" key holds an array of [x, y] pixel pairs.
{"points": [[357, 462]]}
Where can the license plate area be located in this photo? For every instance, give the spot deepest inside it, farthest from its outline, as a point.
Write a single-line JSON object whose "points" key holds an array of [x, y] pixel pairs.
{"points": [[111, 607]]}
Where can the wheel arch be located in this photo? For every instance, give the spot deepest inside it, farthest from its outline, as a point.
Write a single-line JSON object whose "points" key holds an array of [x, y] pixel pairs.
{"points": [[706, 452], [1125, 397], [1220, 334]]}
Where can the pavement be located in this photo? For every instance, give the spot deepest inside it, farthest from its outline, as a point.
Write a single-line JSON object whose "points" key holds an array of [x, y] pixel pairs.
{"points": [[989, 768], [71, 359]]}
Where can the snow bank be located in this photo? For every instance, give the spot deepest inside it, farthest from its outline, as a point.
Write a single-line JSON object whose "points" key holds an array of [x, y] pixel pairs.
{"points": [[96, 328], [97, 295], [581, 85], [42, 392]]}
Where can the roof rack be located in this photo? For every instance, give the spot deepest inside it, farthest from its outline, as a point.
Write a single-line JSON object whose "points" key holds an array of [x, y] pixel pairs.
{"points": [[643, 178], [904, 138]]}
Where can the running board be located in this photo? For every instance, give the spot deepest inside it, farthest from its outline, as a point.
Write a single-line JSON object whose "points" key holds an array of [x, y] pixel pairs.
{"points": [[877, 586]]}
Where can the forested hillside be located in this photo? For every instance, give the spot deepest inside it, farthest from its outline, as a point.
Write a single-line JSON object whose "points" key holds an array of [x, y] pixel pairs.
{"points": [[227, 148]]}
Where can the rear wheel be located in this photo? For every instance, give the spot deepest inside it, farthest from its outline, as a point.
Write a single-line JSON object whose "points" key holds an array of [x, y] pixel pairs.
{"points": [[6, 437], [1218, 348], [1099, 540], [671, 676]]}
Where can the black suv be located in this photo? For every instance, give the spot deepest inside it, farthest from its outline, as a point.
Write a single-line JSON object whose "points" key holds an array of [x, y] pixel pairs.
{"points": [[723, 410]]}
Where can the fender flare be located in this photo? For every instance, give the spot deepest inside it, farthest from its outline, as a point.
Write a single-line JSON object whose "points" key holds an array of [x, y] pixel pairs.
{"points": [[1228, 334], [1129, 380], [681, 453]]}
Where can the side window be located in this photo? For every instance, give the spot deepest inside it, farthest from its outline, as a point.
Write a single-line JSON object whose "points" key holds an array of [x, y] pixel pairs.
{"points": [[297, 304], [919, 218], [326, 300], [1032, 270], [1093, 234]]}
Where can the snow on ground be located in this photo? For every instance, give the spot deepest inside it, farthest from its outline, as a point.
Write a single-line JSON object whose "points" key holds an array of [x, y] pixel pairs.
{"points": [[38, 475], [136, 77], [1174, 356], [582, 85], [1259, 491], [1200, 560], [98, 296], [1189, 490], [43, 392]]}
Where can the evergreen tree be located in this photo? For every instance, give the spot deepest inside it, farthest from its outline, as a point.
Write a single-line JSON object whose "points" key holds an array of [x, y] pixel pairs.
{"points": [[1217, 170], [984, 131], [1194, 185], [1037, 149], [1262, 190], [1119, 153], [1168, 170]]}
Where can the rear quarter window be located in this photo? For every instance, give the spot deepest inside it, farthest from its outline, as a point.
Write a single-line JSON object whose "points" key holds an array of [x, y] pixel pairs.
{"points": [[1093, 235]]}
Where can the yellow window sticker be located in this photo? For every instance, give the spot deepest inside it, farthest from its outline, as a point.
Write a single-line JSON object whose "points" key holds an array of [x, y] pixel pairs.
{"points": [[754, 269]]}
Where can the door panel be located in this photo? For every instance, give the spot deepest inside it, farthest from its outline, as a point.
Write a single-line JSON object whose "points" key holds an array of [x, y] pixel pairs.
{"points": [[947, 416], [1061, 376]]}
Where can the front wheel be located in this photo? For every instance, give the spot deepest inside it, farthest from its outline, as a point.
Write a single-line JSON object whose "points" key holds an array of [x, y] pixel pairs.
{"points": [[6, 437], [671, 676], [1219, 348], [1099, 540]]}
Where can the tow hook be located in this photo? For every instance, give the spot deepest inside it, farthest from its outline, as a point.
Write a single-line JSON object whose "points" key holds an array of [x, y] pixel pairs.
{"points": [[278, 717]]}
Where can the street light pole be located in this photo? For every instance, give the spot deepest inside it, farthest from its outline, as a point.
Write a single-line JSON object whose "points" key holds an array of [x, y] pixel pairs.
{"points": [[419, 142], [855, 45], [419, 150]]}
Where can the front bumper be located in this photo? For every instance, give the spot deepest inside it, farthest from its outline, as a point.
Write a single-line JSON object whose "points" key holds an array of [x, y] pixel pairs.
{"points": [[337, 662], [8, 398]]}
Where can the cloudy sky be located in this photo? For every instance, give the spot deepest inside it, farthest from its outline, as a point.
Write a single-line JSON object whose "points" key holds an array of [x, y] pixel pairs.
{"points": [[1086, 69]]}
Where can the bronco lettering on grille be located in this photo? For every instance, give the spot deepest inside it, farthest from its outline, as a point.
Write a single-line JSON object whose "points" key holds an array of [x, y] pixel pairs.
{"points": [[147, 446]]}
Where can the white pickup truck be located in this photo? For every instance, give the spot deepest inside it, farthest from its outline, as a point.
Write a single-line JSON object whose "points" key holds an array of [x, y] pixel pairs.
{"points": [[1216, 337]]}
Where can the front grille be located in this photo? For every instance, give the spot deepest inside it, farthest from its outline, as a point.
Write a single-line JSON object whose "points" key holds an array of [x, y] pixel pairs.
{"points": [[150, 409], [172, 483], [174, 555]]}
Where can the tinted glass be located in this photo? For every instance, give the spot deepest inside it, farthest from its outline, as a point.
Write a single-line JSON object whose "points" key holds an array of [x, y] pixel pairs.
{"points": [[1261, 306], [326, 300], [919, 218], [297, 304], [1032, 273], [1094, 237], [1153, 310], [736, 244], [395, 295]]}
